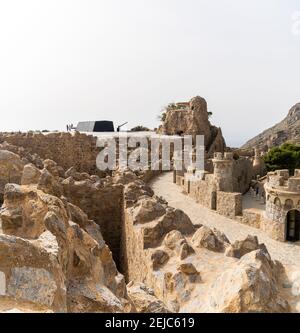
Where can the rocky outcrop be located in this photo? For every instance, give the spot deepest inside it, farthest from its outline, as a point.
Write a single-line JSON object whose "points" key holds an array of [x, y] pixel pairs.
{"points": [[212, 240], [32, 274], [31, 175], [52, 256], [175, 241], [144, 300], [147, 210], [287, 130], [194, 120], [239, 248], [250, 286], [11, 168]]}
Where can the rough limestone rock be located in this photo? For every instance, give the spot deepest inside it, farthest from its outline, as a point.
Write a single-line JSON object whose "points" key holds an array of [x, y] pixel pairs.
{"points": [[194, 120], [251, 286], [179, 286], [239, 248], [125, 177], [32, 274], [11, 167], [147, 210], [159, 258], [79, 176], [24, 154], [188, 269], [49, 184], [144, 300], [31, 175], [174, 219], [23, 211], [136, 190], [71, 172], [58, 265], [209, 239], [185, 250], [53, 168], [174, 240], [222, 238]]}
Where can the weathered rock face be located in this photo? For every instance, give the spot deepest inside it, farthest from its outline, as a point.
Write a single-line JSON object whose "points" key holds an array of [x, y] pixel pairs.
{"points": [[193, 120], [31, 175], [144, 300], [287, 130], [102, 202], [239, 248], [174, 219], [147, 210], [61, 263], [31, 274], [212, 240], [24, 210], [174, 240], [49, 184], [251, 286], [11, 167]]}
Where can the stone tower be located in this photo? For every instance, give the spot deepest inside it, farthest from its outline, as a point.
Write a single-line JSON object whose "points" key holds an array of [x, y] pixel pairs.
{"points": [[259, 168], [223, 171]]}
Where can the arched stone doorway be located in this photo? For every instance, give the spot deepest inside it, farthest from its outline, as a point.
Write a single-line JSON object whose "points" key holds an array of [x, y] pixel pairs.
{"points": [[293, 226]]}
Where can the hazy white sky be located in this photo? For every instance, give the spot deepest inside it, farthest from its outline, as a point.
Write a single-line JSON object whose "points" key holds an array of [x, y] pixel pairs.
{"points": [[63, 61]]}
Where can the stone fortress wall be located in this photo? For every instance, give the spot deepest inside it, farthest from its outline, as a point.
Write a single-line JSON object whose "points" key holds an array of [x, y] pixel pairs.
{"points": [[67, 150], [221, 190], [77, 150]]}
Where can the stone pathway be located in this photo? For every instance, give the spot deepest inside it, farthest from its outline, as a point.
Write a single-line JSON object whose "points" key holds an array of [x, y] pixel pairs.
{"points": [[250, 202], [287, 253]]}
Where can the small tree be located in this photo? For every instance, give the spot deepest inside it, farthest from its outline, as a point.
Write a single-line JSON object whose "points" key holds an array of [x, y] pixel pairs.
{"points": [[162, 117], [171, 106], [163, 114], [287, 156]]}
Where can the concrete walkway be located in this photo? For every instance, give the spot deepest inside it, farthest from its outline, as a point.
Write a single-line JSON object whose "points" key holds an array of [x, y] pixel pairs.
{"points": [[287, 253]]}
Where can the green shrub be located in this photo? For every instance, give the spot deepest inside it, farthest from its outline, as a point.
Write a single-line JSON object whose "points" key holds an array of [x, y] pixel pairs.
{"points": [[287, 156], [139, 128]]}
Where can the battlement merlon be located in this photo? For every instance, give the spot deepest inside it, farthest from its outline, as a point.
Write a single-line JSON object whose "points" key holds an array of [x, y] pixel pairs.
{"points": [[228, 156], [283, 182]]}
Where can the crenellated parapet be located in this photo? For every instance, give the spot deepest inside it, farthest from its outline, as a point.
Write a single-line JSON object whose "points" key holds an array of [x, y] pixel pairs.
{"points": [[282, 196]]}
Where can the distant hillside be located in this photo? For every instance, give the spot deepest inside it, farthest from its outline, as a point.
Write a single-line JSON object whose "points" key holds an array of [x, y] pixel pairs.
{"points": [[287, 130]]}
